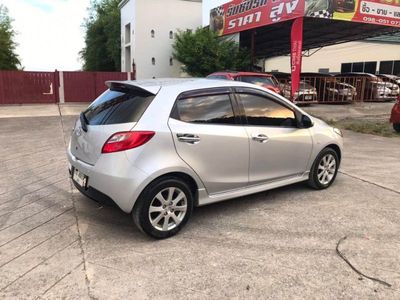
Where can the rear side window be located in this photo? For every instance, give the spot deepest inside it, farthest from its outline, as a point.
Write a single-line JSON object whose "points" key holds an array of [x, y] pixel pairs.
{"points": [[114, 107], [213, 109], [262, 111]]}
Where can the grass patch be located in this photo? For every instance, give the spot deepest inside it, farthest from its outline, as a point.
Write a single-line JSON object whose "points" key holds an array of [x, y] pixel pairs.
{"points": [[376, 127]]}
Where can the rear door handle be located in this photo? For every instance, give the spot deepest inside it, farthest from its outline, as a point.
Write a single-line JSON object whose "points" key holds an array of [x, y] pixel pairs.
{"points": [[261, 138], [188, 138]]}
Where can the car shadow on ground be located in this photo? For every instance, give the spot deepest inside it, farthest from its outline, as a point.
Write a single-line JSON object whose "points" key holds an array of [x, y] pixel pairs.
{"points": [[96, 214]]}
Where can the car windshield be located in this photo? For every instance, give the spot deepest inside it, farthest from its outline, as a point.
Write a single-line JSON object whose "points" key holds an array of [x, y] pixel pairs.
{"points": [[258, 80]]}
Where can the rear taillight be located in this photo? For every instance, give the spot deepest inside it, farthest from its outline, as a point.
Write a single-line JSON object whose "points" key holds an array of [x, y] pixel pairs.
{"points": [[122, 141]]}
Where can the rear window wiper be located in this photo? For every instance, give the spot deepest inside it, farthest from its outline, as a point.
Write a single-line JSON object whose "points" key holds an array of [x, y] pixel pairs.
{"points": [[84, 121]]}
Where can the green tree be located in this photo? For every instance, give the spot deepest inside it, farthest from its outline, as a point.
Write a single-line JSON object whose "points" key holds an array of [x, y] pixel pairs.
{"points": [[102, 50], [202, 52], [8, 58]]}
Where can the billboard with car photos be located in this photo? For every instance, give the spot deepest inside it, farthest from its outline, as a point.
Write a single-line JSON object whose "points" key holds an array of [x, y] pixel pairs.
{"points": [[239, 15]]}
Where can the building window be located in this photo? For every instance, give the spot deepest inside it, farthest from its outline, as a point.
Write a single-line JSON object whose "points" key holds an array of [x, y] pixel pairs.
{"points": [[152, 33], [396, 68], [171, 34], [128, 33], [171, 61], [128, 59], [370, 67], [365, 67], [323, 70], [153, 61], [346, 68], [358, 67]]}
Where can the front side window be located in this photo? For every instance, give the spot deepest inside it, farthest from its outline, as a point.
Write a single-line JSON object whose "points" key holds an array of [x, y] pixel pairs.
{"points": [[261, 111], [213, 109]]}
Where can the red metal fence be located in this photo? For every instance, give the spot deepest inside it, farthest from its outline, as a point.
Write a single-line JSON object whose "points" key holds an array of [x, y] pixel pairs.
{"points": [[86, 86], [341, 89], [17, 87], [28, 87]]}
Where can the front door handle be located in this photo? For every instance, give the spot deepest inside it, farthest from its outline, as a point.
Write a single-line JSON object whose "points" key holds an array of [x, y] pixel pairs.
{"points": [[188, 138], [261, 138]]}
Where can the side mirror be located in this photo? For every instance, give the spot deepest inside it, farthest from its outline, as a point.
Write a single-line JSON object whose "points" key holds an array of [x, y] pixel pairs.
{"points": [[306, 122]]}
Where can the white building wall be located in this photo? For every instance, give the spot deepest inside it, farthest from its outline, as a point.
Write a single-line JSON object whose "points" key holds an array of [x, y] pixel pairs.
{"points": [[332, 57], [162, 16], [128, 12]]}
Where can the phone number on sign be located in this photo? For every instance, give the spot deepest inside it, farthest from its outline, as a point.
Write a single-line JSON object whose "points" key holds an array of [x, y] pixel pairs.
{"points": [[381, 21]]}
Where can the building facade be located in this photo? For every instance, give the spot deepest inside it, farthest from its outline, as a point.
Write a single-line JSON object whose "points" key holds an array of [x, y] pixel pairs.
{"points": [[148, 29], [376, 56]]}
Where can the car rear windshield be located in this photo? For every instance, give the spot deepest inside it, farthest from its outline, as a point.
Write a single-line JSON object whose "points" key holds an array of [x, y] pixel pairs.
{"points": [[258, 80], [118, 106]]}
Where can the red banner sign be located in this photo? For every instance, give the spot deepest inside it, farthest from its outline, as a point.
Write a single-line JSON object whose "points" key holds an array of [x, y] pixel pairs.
{"points": [[296, 52], [379, 12], [239, 15]]}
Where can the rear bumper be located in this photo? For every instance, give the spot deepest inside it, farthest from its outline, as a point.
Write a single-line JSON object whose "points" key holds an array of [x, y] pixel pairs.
{"points": [[95, 195], [112, 180]]}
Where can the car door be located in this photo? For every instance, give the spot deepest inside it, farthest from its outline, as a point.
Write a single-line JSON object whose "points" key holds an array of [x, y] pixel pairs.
{"points": [[278, 148], [210, 139]]}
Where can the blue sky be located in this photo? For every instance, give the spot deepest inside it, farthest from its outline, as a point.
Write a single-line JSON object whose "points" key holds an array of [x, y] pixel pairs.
{"points": [[50, 33]]}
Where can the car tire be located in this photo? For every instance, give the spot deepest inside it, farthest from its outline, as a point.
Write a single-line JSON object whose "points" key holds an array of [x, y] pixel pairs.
{"points": [[163, 208], [324, 169], [396, 127]]}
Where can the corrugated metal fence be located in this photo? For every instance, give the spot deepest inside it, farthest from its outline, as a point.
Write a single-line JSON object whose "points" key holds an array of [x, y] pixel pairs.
{"points": [[28, 87], [86, 86], [18, 87]]}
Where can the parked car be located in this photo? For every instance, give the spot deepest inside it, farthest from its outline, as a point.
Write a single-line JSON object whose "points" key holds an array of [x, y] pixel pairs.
{"points": [[391, 78], [394, 82], [265, 80], [395, 116], [306, 94], [370, 86], [157, 148], [329, 89]]}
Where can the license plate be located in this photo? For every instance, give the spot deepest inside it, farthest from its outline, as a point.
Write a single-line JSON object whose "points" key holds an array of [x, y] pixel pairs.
{"points": [[79, 178], [308, 97]]}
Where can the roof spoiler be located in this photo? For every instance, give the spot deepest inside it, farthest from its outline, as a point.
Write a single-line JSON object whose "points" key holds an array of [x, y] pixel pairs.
{"points": [[132, 86]]}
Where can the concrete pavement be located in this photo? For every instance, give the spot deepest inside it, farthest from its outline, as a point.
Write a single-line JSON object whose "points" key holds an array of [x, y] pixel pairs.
{"points": [[56, 243], [41, 110]]}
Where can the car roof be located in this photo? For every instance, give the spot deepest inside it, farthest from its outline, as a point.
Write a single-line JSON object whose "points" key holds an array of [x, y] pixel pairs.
{"points": [[180, 84], [388, 76], [240, 73], [356, 74], [316, 74]]}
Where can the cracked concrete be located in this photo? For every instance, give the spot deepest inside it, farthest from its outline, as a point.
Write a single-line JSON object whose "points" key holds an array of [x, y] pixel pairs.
{"points": [[56, 243]]}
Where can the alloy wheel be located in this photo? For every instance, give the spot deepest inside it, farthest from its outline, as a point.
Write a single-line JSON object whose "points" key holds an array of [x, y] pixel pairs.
{"points": [[326, 169], [168, 209]]}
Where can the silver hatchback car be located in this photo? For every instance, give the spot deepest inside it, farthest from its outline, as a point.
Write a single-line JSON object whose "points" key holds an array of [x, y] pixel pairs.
{"points": [[158, 148]]}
